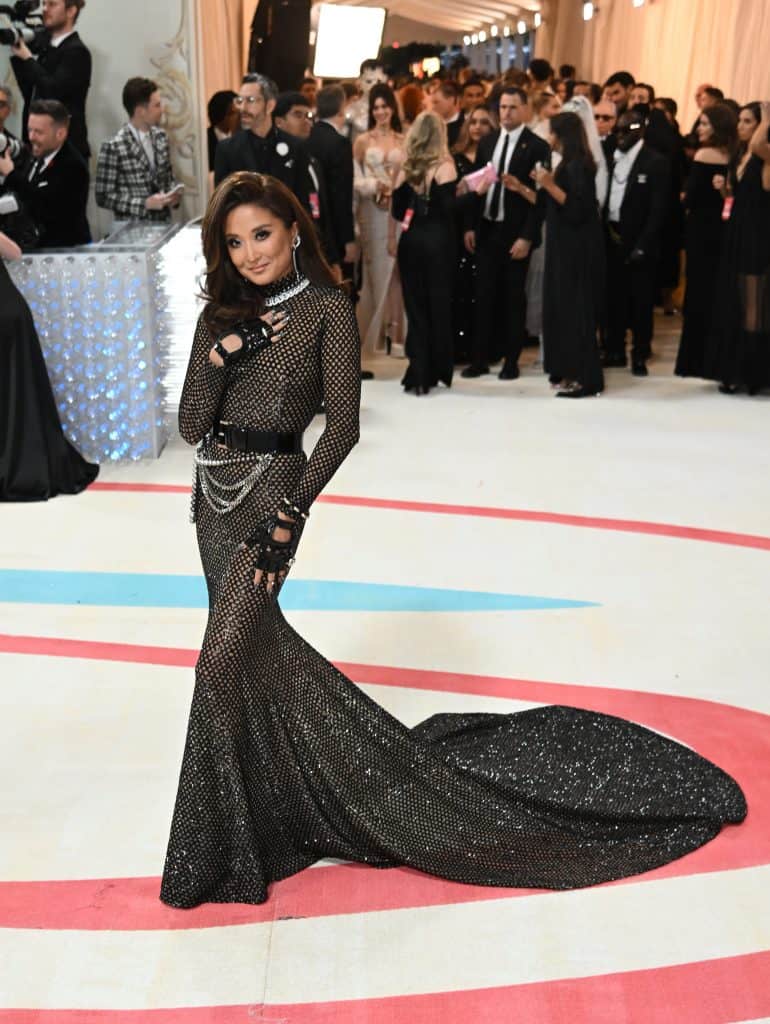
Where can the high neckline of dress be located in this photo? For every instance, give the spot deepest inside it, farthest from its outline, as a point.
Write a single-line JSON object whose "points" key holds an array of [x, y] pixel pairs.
{"points": [[283, 288]]}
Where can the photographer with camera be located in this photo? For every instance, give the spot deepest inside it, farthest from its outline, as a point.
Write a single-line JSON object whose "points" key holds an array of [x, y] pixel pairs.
{"points": [[8, 142], [62, 68], [134, 177], [54, 187]]}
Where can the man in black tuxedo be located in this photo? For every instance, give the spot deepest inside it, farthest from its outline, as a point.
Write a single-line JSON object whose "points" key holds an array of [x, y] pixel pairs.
{"points": [[260, 146], [333, 151], [502, 226], [61, 71], [635, 212], [54, 185], [445, 100]]}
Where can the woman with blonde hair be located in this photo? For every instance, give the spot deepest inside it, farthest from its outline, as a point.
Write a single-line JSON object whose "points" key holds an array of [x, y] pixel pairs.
{"points": [[423, 203]]}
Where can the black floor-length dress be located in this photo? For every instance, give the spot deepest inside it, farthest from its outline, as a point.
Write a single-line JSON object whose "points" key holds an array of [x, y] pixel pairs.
{"points": [[36, 459], [574, 280], [703, 244], [287, 761], [427, 262], [738, 352]]}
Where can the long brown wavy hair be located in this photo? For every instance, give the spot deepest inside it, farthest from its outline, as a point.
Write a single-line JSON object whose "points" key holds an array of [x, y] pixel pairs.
{"points": [[230, 298]]}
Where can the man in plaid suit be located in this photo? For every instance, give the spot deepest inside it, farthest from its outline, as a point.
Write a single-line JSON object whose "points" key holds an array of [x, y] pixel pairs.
{"points": [[134, 177]]}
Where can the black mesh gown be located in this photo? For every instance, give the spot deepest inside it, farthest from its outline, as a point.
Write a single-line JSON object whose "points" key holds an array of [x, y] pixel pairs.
{"points": [[286, 761]]}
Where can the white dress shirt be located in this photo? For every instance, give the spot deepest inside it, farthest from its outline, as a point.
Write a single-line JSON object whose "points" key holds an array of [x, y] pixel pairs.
{"points": [[56, 43], [513, 138], [145, 141], [621, 172]]}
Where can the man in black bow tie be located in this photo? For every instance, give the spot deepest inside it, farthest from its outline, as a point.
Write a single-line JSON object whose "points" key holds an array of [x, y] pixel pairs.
{"points": [[61, 71], [502, 224]]}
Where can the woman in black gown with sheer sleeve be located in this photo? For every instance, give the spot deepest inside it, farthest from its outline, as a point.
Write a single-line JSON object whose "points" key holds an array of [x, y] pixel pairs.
{"points": [[704, 230], [286, 760], [424, 202], [738, 353]]}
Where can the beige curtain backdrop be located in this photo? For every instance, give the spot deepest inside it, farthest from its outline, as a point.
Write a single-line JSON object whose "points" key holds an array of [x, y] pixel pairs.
{"points": [[224, 27], [674, 44]]}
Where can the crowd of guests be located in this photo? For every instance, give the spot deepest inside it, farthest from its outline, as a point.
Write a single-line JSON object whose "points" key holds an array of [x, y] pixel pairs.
{"points": [[473, 216], [470, 215]]}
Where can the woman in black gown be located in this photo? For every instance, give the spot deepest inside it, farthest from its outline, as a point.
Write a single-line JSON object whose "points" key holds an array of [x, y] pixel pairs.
{"points": [[37, 461], [286, 760], [574, 262], [424, 202], [704, 228], [475, 127], [738, 353]]}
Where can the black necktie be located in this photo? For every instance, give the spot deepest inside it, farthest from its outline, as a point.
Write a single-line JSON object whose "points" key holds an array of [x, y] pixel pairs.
{"points": [[37, 167], [499, 183]]}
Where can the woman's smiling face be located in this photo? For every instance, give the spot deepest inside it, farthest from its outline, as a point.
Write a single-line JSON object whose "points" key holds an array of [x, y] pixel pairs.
{"points": [[259, 243]]}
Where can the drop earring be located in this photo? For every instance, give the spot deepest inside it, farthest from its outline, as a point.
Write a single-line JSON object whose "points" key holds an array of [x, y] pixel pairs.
{"points": [[294, 246]]}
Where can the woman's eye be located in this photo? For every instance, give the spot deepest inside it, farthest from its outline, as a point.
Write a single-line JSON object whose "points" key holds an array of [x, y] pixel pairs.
{"points": [[260, 236], [233, 243]]}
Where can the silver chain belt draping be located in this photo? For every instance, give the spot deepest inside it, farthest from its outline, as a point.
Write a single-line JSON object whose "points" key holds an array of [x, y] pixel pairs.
{"points": [[224, 497]]}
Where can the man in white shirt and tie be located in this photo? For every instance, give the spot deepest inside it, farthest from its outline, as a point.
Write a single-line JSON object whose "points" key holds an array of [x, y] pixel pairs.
{"points": [[502, 223], [134, 177]]}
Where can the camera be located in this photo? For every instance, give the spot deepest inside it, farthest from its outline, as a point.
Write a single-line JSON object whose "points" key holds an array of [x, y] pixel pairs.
{"points": [[26, 24], [9, 147]]}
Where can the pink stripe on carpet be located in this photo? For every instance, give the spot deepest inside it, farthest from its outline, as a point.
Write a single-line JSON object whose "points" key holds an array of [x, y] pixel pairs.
{"points": [[707, 992], [744, 540], [736, 739]]}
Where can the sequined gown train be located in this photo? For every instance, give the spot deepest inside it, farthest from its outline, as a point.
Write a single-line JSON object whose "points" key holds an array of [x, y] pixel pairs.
{"points": [[286, 761]]}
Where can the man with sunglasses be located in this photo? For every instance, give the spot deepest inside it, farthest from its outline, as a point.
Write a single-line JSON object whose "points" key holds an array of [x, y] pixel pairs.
{"points": [[261, 147]]}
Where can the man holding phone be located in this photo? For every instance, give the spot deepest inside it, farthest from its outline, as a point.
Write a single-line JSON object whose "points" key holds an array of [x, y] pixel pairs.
{"points": [[134, 177]]}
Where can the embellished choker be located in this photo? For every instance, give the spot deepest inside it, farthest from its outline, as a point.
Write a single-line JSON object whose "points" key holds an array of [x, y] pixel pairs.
{"points": [[285, 288]]}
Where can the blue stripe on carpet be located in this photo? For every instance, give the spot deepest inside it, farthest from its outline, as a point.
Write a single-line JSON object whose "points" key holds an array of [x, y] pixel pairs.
{"points": [[139, 590]]}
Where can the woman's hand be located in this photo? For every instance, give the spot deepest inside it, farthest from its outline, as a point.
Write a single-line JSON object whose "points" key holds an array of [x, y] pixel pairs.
{"points": [[462, 187], [281, 535], [275, 319], [542, 177], [9, 250], [719, 181], [512, 183]]}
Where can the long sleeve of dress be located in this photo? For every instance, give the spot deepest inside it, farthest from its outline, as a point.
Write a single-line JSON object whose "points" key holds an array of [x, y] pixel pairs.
{"points": [[341, 372], [203, 387]]}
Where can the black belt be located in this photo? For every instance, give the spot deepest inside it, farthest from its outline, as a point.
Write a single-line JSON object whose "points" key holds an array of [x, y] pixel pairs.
{"points": [[261, 442]]}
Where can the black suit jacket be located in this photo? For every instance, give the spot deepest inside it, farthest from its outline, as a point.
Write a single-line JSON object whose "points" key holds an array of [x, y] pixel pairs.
{"points": [[335, 155], [522, 219], [278, 154], [59, 73], [645, 203], [56, 200]]}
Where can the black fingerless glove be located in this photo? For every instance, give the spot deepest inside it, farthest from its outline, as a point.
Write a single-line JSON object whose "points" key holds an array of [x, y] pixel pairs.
{"points": [[254, 334], [273, 556]]}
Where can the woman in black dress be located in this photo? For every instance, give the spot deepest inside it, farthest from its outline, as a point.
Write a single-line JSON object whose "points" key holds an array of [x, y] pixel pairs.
{"points": [[717, 135], [475, 127], [738, 354], [37, 461], [574, 262], [424, 203], [286, 760]]}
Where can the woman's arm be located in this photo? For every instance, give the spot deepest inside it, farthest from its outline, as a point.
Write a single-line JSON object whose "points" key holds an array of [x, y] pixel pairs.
{"points": [[760, 146], [204, 384], [545, 179], [9, 250], [447, 171], [341, 371]]}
